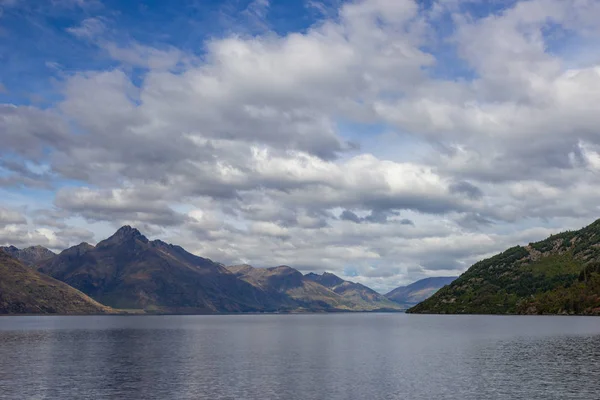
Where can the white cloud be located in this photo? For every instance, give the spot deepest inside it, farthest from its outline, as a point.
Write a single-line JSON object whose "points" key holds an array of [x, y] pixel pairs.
{"points": [[238, 154], [11, 217], [138, 55], [90, 28]]}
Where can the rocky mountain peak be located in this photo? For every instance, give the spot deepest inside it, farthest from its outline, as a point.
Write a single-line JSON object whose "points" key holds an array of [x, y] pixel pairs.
{"points": [[124, 234]]}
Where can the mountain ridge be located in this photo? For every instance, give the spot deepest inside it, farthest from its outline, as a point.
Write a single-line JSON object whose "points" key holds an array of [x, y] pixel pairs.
{"points": [[357, 293], [418, 291], [128, 271], [299, 292], [28, 255], [558, 275], [26, 291]]}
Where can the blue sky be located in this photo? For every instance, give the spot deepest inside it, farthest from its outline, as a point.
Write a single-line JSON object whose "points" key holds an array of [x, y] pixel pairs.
{"points": [[304, 132], [40, 47]]}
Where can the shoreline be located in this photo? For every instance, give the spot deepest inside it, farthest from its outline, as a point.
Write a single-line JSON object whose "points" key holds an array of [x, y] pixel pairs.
{"points": [[293, 313]]}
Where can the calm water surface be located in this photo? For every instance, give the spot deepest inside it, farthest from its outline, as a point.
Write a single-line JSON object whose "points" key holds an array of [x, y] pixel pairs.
{"points": [[335, 356]]}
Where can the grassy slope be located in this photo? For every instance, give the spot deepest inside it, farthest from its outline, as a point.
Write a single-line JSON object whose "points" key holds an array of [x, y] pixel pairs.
{"points": [[559, 275], [26, 291]]}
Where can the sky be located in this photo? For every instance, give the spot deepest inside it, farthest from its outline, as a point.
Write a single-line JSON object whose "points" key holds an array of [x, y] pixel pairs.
{"points": [[384, 141]]}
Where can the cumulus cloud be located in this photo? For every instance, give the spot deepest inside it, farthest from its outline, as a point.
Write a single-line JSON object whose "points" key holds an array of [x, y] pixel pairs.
{"points": [[89, 28], [243, 154], [117, 204], [23, 236], [11, 217]]}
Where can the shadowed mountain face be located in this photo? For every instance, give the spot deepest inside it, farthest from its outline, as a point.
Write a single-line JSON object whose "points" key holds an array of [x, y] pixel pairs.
{"points": [[559, 275], [357, 293], [127, 271], [130, 272], [30, 255], [420, 290], [26, 291]]}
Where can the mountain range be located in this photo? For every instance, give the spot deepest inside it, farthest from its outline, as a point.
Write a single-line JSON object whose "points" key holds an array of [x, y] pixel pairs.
{"points": [[30, 255], [559, 275], [356, 293], [129, 273]]}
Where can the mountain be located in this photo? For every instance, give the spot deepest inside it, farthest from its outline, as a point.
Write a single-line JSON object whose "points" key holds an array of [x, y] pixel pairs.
{"points": [[419, 291], [361, 295], [26, 291], [294, 291], [559, 275], [29, 255], [128, 271]]}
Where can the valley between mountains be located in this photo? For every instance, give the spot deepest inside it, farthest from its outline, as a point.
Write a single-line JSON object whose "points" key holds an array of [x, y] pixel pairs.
{"points": [[127, 273]]}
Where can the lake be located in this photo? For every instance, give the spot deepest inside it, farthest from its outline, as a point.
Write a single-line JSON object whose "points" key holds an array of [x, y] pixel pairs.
{"points": [[312, 356]]}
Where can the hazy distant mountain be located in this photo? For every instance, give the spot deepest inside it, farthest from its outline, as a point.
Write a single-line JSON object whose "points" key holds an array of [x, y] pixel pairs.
{"points": [[26, 291], [29, 255], [313, 292], [357, 293], [294, 290], [130, 272], [420, 290], [559, 275]]}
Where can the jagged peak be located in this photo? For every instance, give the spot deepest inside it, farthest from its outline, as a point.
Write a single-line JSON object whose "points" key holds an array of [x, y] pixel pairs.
{"points": [[124, 233], [326, 278], [79, 249], [39, 248], [128, 230]]}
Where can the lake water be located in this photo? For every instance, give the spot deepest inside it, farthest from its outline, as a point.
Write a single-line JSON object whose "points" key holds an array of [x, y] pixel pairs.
{"points": [[330, 356]]}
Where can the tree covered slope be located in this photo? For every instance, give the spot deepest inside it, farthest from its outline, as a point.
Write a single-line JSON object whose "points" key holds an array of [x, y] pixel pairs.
{"points": [[559, 275]]}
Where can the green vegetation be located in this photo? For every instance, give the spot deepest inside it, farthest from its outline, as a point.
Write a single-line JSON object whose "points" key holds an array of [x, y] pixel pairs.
{"points": [[559, 275]]}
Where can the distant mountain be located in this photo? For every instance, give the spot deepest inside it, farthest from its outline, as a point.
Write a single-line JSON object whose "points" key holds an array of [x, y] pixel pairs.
{"points": [[418, 291], [361, 295], [295, 292], [312, 292], [26, 291], [128, 271], [29, 255], [559, 275]]}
